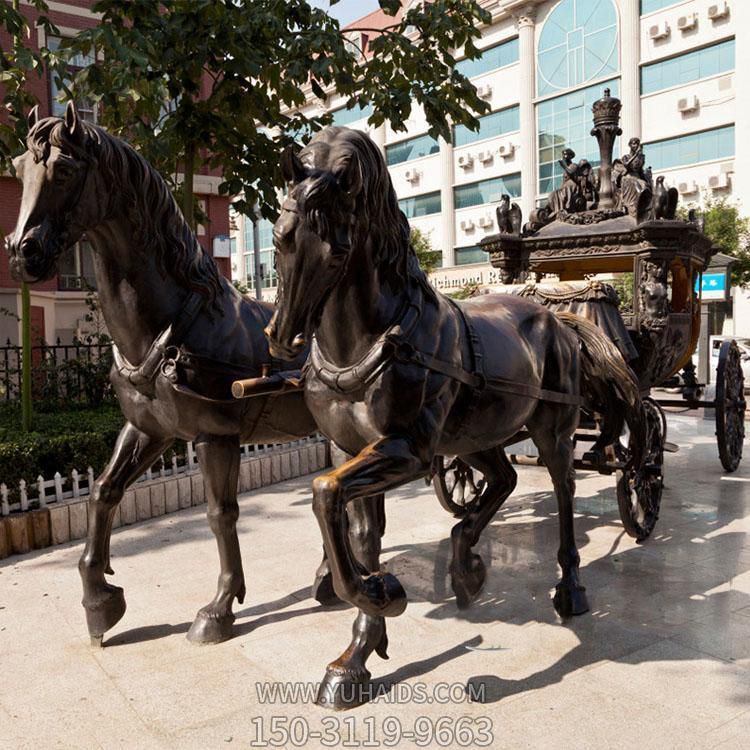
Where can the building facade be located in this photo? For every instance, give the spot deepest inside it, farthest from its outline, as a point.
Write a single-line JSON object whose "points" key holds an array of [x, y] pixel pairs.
{"points": [[58, 306], [675, 64]]}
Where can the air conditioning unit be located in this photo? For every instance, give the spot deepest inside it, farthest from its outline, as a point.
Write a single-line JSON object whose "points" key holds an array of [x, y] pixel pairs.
{"points": [[485, 91], [486, 221], [688, 103], [659, 31], [506, 150], [412, 175], [484, 156], [465, 161], [467, 225], [718, 11], [687, 22], [721, 181], [687, 188]]}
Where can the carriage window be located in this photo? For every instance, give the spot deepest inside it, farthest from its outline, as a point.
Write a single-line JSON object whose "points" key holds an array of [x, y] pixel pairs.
{"points": [[86, 109], [75, 270]]}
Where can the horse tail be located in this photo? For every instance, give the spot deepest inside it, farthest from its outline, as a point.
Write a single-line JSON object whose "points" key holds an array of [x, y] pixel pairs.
{"points": [[608, 384]]}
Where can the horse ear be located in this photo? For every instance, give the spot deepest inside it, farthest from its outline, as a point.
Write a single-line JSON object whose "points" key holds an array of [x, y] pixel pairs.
{"points": [[72, 121], [351, 178], [33, 117], [292, 168]]}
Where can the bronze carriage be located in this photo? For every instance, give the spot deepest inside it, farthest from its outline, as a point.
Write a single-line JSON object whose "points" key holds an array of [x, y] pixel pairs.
{"points": [[617, 220]]}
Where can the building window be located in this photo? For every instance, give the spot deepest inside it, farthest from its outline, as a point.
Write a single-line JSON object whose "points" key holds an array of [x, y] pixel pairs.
{"points": [[472, 254], [487, 191], [578, 43], [493, 58], [86, 109], [346, 116], [268, 276], [677, 71], [75, 269], [650, 6], [413, 148], [687, 150], [420, 205], [565, 122], [490, 126]]}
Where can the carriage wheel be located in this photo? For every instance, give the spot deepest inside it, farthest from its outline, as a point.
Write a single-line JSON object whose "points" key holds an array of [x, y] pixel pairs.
{"points": [[457, 485], [730, 406], [639, 488]]}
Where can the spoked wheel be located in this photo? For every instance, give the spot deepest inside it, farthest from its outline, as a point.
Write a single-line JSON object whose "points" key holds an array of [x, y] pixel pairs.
{"points": [[457, 485], [639, 488], [730, 406]]}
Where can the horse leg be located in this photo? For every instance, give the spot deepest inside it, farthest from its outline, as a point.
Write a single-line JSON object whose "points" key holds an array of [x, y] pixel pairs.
{"points": [[134, 452], [347, 678], [467, 569], [552, 430], [219, 457], [378, 468], [322, 588]]}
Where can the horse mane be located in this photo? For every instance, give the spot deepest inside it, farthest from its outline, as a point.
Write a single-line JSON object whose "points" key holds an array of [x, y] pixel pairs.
{"points": [[377, 210], [160, 228]]}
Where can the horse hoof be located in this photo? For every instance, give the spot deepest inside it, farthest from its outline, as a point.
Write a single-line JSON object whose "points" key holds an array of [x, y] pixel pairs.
{"points": [[104, 611], [97, 641], [569, 601], [210, 628], [322, 590], [468, 583], [385, 596], [343, 688]]}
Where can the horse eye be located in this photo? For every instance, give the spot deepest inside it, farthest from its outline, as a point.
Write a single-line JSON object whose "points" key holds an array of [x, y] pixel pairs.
{"points": [[63, 172]]}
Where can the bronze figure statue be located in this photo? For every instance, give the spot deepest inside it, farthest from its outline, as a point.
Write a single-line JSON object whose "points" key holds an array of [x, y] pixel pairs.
{"points": [[182, 334], [399, 374]]}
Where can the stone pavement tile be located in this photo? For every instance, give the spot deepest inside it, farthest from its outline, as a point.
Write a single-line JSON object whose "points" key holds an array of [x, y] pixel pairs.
{"points": [[726, 636], [732, 734], [689, 683]]}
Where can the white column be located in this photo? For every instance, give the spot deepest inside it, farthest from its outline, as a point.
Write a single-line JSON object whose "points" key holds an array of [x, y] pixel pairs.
{"points": [[378, 135], [630, 55], [741, 176], [525, 19], [447, 206]]}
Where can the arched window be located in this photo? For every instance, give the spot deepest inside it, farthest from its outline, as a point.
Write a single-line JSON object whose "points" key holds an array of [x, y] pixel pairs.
{"points": [[578, 44]]}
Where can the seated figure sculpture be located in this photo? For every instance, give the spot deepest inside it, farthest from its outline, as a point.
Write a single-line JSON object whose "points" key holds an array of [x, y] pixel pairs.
{"points": [[633, 181]]}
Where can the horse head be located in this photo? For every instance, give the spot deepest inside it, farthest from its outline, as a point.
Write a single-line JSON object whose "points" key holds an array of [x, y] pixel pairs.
{"points": [[340, 203], [56, 205]]}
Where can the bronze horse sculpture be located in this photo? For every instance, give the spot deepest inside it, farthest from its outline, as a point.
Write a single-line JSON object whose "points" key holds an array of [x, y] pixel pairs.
{"points": [[399, 374], [182, 334]]}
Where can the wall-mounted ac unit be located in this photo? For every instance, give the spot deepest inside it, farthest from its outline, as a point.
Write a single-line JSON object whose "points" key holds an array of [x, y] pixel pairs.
{"points": [[659, 31], [485, 91], [721, 181], [506, 150], [687, 188], [718, 11], [465, 161], [687, 22], [688, 103], [485, 156], [467, 225], [485, 221], [412, 175]]}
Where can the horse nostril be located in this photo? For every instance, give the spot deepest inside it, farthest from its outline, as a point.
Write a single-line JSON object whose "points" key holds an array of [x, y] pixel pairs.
{"points": [[29, 247]]}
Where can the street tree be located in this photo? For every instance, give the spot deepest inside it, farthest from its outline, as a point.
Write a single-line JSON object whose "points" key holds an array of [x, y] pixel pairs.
{"points": [[225, 84]]}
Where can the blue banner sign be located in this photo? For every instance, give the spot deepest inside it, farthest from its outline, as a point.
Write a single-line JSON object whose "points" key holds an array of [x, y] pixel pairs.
{"points": [[713, 287]]}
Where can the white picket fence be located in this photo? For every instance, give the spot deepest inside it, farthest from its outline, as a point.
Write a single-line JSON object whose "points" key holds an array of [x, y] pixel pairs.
{"points": [[42, 492]]}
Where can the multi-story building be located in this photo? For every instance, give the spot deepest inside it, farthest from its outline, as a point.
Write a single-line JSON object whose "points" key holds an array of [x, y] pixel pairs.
{"points": [[677, 66], [58, 306]]}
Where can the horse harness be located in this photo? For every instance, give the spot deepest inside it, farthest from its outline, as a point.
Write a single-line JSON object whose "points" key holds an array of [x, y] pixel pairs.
{"points": [[394, 346]]}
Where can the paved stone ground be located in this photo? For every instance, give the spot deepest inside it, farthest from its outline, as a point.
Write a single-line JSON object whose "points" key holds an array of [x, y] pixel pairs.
{"points": [[662, 660]]}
